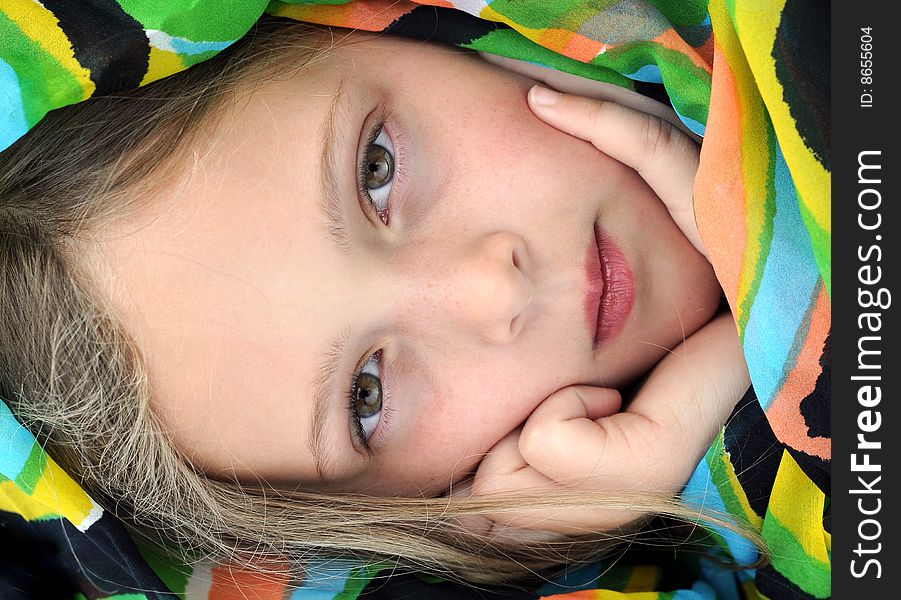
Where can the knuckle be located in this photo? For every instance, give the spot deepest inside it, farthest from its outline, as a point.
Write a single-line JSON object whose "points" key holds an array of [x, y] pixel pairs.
{"points": [[658, 136], [595, 110], [541, 443]]}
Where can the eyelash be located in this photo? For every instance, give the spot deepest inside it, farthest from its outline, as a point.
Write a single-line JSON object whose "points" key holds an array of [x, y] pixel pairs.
{"points": [[361, 168], [359, 432], [397, 157]]}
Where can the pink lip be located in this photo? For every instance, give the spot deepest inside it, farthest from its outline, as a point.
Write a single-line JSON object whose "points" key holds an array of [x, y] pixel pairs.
{"points": [[610, 289]]}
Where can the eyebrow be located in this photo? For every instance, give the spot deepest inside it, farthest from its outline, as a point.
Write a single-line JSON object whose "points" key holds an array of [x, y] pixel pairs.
{"points": [[329, 189], [323, 390], [331, 205]]}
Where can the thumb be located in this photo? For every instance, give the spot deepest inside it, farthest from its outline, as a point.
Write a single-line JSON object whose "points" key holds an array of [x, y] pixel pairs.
{"points": [[665, 157]]}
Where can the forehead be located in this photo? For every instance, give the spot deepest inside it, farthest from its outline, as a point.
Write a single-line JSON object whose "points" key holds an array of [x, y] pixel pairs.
{"points": [[212, 277]]}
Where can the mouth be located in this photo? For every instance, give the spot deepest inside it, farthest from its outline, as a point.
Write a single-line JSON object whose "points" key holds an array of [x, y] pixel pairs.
{"points": [[610, 291]]}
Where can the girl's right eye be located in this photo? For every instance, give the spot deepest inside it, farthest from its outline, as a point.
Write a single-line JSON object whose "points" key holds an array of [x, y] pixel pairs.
{"points": [[377, 171], [366, 400]]}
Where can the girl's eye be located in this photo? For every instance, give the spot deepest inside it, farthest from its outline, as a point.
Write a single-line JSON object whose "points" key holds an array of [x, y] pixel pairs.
{"points": [[377, 171], [366, 400]]}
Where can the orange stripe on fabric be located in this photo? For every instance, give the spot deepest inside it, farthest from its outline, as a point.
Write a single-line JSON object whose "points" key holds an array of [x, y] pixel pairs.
{"points": [[719, 186], [440, 3], [671, 40], [240, 584], [367, 15], [784, 414], [705, 52], [582, 48]]}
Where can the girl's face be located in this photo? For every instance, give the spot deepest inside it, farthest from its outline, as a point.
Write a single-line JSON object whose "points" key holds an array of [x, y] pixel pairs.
{"points": [[263, 279]]}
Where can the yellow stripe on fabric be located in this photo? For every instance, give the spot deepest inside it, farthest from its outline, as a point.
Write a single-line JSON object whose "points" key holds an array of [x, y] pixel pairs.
{"points": [[41, 26], [534, 35], [54, 495], [162, 63], [798, 505], [56, 489], [14, 500], [754, 158], [757, 23], [642, 578], [608, 595], [751, 591], [738, 495]]}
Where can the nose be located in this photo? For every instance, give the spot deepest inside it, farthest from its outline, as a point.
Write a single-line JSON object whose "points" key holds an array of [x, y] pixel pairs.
{"points": [[484, 287]]}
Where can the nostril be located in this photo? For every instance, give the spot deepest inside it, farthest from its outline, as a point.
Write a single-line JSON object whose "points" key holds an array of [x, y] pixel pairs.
{"points": [[516, 258]]}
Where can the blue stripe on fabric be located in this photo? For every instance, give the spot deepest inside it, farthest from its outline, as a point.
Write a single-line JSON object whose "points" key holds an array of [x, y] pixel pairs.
{"points": [[696, 127], [725, 583], [324, 580], [647, 73], [583, 578], [183, 46], [12, 113], [783, 298], [701, 593], [16, 443], [702, 494]]}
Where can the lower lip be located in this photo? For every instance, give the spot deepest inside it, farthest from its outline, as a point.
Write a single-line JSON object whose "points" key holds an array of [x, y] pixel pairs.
{"points": [[617, 292]]}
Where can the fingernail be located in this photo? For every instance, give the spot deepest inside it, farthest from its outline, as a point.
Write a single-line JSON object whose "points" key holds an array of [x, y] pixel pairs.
{"points": [[542, 96]]}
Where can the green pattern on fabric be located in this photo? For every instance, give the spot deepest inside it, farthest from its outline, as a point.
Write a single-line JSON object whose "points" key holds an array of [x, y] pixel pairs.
{"points": [[172, 572], [764, 237], [540, 14], [33, 469], [719, 464], [680, 14], [677, 71], [51, 85], [506, 42], [792, 561], [821, 242], [359, 578], [209, 21]]}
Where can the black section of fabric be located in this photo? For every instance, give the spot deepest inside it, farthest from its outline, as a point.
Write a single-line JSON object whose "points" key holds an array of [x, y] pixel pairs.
{"points": [[31, 567], [107, 561], [106, 40], [817, 469], [655, 91], [815, 408], [817, 414], [414, 587], [774, 586], [438, 24], [802, 51], [754, 450]]}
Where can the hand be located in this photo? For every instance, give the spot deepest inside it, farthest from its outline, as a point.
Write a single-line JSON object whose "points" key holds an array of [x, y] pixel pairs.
{"points": [[578, 440], [664, 156]]}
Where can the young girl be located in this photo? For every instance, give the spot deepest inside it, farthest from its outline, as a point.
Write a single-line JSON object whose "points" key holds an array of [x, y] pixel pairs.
{"points": [[352, 308]]}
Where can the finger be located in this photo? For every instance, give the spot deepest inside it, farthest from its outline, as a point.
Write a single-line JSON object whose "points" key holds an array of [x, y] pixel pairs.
{"points": [[504, 471], [665, 157], [697, 397], [563, 440]]}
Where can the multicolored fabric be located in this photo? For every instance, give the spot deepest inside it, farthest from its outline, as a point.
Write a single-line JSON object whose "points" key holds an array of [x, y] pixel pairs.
{"points": [[750, 76]]}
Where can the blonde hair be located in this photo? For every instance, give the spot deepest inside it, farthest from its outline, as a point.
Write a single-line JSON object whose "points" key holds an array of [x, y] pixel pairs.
{"points": [[71, 373]]}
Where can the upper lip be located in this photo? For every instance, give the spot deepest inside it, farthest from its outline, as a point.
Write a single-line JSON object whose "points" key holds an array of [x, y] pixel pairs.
{"points": [[594, 274]]}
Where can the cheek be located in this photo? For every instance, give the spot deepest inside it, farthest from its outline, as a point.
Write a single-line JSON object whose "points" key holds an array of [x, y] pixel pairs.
{"points": [[469, 418]]}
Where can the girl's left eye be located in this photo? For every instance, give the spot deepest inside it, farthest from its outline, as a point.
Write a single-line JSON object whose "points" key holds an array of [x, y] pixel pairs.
{"points": [[377, 171]]}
